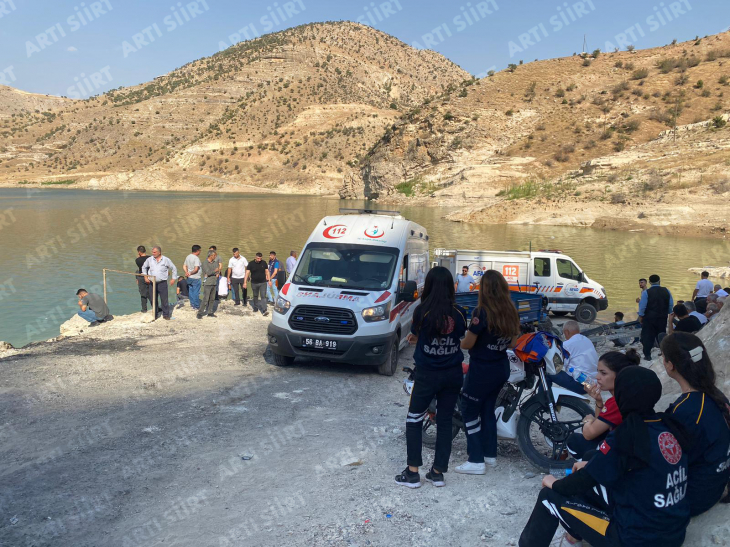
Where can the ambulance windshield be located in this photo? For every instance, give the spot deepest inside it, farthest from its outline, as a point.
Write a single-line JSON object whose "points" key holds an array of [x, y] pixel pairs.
{"points": [[344, 266]]}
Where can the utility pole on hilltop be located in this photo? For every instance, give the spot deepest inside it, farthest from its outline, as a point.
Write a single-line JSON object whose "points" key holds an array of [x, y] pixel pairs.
{"points": [[585, 43]]}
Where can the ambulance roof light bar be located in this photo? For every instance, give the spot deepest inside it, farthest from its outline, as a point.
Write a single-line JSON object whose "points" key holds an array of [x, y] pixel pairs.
{"points": [[370, 212]]}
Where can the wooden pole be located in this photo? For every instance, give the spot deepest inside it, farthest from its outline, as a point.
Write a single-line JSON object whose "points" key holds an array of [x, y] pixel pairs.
{"points": [[104, 275], [154, 298]]}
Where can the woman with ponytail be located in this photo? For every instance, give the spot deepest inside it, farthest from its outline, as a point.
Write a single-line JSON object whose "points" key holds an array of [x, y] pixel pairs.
{"points": [[608, 417], [703, 410]]}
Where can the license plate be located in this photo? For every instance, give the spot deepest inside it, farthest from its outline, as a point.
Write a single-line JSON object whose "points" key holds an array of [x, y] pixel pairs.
{"points": [[317, 343]]}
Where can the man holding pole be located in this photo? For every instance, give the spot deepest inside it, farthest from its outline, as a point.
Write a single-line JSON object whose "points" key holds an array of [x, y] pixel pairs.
{"points": [[159, 267]]}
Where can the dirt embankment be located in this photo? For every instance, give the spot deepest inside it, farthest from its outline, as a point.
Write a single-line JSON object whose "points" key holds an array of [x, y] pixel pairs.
{"points": [[182, 432]]}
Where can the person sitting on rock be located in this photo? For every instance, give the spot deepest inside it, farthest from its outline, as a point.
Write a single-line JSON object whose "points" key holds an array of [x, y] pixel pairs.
{"points": [[685, 322], [692, 309], [93, 308], [703, 410]]}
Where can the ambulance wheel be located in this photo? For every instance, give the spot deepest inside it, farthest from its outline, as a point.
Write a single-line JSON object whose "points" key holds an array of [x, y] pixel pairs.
{"points": [[585, 313], [283, 360], [559, 313], [387, 367]]}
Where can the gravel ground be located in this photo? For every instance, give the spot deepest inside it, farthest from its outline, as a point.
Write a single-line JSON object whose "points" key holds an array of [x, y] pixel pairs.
{"points": [[183, 433]]}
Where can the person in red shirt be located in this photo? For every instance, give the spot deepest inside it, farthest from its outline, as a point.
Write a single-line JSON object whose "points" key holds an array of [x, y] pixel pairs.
{"points": [[608, 417]]}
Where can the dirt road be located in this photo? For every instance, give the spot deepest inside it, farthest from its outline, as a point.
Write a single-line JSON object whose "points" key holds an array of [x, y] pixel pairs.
{"points": [[140, 434]]}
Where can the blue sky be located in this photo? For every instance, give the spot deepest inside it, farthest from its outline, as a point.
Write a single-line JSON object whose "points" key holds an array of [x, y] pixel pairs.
{"points": [[46, 45]]}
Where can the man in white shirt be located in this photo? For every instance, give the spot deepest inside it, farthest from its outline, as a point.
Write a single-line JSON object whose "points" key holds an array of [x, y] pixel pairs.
{"points": [[192, 273], [703, 288], [583, 358], [692, 309], [464, 282], [159, 267], [237, 276], [720, 292], [291, 262]]}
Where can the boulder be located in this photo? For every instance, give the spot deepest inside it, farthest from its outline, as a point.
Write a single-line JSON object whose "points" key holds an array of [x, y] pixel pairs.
{"points": [[73, 326]]}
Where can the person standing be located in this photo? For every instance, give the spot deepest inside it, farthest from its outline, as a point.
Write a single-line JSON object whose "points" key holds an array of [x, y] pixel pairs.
{"points": [[209, 268], [464, 282], [291, 263], [642, 286], [272, 293], [144, 292], [258, 272], [438, 325], [219, 264], [93, 308], [236, 274], [494, 327], [192, 272], [159, 267], [703, 289], [655, 305]]}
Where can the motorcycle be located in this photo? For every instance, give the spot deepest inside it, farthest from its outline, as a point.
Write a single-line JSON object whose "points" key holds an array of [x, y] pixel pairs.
{"points": [[539, 417]]}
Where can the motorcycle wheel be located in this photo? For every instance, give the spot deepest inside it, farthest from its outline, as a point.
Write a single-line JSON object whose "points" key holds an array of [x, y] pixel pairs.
{"points": [[429, 432], [546, 448]]}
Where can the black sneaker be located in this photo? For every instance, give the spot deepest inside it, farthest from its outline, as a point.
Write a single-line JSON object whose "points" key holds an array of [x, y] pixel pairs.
{"points": [[212, 315], [409, 479], [437, 479], [265, 313], [94, 324], [109, 318]]}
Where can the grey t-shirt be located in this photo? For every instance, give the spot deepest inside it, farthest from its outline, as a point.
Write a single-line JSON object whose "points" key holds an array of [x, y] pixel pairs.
{"points": [[96, 304], [208, 269], [192, 262], [463, 282]]}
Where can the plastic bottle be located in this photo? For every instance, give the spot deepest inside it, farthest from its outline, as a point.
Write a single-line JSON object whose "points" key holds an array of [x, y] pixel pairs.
{"points": [[560, 473], [578, 376]]}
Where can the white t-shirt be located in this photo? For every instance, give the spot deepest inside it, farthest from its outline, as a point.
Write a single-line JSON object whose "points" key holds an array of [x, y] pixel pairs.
{"points": [[583, 356], [722, 293], [238, 267], [704, 288]]}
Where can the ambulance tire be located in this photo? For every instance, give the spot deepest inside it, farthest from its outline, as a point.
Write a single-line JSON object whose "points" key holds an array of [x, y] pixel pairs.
{"points": [[283, 360], [387, 367], [586, 313]]}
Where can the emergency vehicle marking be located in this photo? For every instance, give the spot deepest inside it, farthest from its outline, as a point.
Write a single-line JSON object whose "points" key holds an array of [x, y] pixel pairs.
{"points": [[670, 448], [335, 232], [331, 296], [382, 297], [374, 232]]}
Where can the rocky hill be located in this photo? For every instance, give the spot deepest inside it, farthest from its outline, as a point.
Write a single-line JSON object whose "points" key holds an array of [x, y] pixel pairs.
{"points": [[526, 132], [295, 111]]}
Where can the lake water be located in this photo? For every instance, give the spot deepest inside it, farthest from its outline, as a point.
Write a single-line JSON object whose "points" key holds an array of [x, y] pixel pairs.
{"points": [[55, 241]]}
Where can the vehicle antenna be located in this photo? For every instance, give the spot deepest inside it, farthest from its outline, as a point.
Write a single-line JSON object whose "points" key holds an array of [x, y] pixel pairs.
{"points": [[530, 245]]}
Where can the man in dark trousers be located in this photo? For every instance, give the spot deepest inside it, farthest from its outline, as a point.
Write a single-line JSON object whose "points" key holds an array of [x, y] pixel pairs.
{"points": [[144, 292], [655, 305]]}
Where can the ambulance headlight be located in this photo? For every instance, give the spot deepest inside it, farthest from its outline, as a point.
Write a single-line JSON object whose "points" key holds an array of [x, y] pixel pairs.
{"points": [[377, 313], [282, 305]]}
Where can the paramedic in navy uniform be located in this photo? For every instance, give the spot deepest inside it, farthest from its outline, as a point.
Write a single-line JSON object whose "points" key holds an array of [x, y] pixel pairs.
{"points": [[703, 410], [494, 327], [438, 325], [633, 492]]}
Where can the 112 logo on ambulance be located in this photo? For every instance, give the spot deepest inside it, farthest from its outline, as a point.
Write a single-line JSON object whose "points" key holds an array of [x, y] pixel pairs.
{"points": [[511, 273], [335, 232]]}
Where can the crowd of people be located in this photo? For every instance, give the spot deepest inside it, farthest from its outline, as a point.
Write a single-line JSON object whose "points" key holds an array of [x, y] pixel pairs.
{"points": [[639, 475], [204, 283]]}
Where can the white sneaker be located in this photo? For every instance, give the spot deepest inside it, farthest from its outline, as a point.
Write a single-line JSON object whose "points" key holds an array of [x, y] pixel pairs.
{"points": [[491, 462], [470, 468]]}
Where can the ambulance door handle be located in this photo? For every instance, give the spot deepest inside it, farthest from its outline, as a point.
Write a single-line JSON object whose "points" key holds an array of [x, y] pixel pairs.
{"points": [[560, 284]]}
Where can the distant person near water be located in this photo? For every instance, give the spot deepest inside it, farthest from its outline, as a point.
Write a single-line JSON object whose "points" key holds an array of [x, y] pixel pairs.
{"points": [[464, 282], [93, 308], [237, 276], [274, 267], [291, 262], [159, 267], [258, 272], [219, 266], [183, 292], [144, 292], [192, 272], [642, 286], [209, 269], [655, 305]]}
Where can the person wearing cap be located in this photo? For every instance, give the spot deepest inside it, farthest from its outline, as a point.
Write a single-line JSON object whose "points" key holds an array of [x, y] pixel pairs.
{"points": [[632, 492]]}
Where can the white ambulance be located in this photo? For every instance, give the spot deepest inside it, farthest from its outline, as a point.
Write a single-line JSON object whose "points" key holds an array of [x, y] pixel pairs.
{"points": [[550, 273], [352, 294]]}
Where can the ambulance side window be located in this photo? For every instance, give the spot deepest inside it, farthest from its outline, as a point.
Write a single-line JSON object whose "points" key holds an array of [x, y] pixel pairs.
{"points": [[568, 270], [404, 271], [542, 267]]}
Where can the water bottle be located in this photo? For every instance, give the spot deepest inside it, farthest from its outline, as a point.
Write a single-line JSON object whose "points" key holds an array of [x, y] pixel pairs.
{"points": [[578, 376], [560, 472]]}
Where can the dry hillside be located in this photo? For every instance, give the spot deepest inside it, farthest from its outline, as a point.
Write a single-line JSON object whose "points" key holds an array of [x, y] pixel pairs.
{"points": [[524, 133], [294, 110]]}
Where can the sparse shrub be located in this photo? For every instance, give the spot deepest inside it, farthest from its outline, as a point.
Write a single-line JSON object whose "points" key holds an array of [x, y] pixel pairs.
{"points": [[629, 66], [561, 157], [640, 74], [723, 80], [560, 93], [619, 64], [618, 198], [681, 80], [630, 47], [706, 93], [511, 67], [586, 62], [632, 125], [619, 145], [448, 116], [490, 73], [571, 87], [719, 122], [596, 53], [700, 84], [620, 88], [510, 112]]}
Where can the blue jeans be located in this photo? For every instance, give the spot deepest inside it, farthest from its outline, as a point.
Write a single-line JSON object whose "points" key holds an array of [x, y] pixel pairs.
{"points": [[563, 379], [89, 315], [194, 292], [272, 293]]}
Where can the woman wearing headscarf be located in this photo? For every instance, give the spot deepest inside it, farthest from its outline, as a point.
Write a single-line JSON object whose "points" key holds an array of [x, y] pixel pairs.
{"points": [[632, 493], [703, 410]]}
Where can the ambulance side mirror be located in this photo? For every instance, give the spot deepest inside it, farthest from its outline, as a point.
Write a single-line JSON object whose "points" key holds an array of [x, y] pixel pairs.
{"points": [[409, 292]]}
